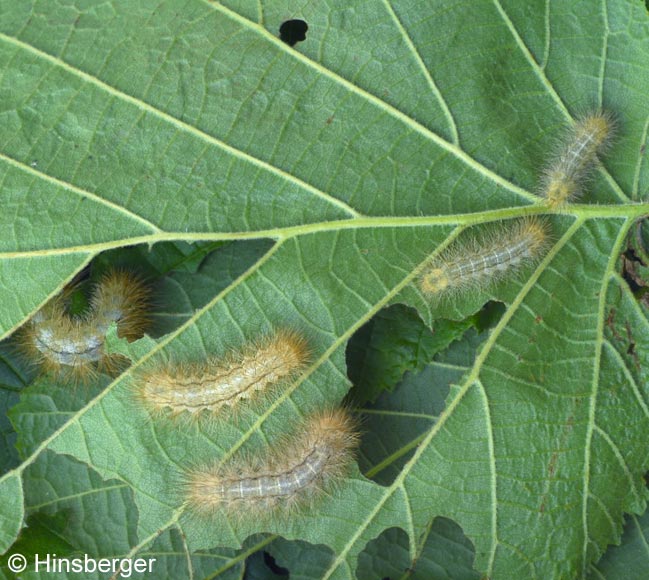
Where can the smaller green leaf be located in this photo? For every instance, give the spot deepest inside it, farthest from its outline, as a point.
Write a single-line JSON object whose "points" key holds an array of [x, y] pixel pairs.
{"points": [[444, 553], [260, 567], [304, 561], [100, 517], [396, 340], [38, 537], [394, 424], [12, 509], [629, 560]]}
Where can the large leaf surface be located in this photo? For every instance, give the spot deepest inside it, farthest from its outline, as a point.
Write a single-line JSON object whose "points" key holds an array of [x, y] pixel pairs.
{"points": [[359, 151]]}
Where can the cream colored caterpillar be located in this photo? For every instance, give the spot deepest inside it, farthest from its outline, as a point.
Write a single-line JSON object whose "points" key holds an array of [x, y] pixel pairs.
{"points": [[222, 383], [480, 261], [292, 473], [576, 156], [73, 346]]}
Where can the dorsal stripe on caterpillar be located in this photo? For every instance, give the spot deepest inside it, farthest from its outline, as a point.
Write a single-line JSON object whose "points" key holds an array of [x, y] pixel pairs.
{"points": [[291, 473], [218, 383], [480, 261], [576, 156]]}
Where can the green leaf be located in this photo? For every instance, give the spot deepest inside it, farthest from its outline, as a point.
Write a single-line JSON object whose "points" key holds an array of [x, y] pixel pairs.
{"points": [[303, 560], [397, 422], [337, 166], [12, 510], [631, 558], [12, 379], [444, 553], [257, 568], [393, 342], [99, 516]]}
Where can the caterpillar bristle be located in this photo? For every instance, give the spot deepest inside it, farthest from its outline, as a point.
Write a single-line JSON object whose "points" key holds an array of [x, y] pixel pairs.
{"points": [[291, 475], [475, 262], [220, 385], [123, 298], [72, 347], [577, 154]]}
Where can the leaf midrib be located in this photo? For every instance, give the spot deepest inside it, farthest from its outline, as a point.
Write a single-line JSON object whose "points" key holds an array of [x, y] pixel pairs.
{"points": [[579, 211]]}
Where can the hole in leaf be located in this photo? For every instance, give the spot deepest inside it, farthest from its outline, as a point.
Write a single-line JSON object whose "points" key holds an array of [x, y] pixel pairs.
{"points": [[301, 559], [446, 553], [386, 556], [262, 565], [272, 565], [293, 31], [635, 261], [396, 423], [396, 340], [402, 401]]}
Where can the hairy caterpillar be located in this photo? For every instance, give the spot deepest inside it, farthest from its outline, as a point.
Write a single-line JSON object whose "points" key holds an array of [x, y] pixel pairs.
{"points": [[486, 259], [293, 473], [222, 383], [73, 346], [577, 155]]}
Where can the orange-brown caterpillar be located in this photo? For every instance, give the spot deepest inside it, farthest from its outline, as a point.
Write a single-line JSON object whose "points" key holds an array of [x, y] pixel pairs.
{"points": [[221, 383], [576, 157], [293, 473], [73, 346], [481, 261]]}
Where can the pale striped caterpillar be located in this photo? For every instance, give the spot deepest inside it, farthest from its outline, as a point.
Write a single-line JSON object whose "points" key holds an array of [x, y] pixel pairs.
{"points": [[576, 156], [480, 261], [221, 383], [73, 346], [292, 474]]}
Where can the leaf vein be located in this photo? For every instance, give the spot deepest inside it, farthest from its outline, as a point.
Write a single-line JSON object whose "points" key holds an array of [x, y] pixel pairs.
{"points": [[540, 73], [79, 191], [181, 125], [623, 464], [641, 158], [597, 368], [493, 480], [389, 109], [427, 74]]}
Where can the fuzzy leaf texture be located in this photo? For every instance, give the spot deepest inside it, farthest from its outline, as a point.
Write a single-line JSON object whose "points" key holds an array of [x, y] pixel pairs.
{"points": [[269, 186]]}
